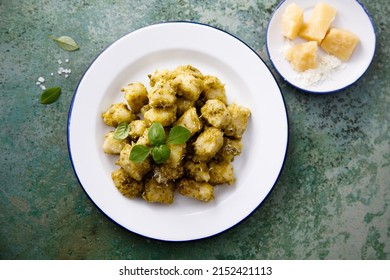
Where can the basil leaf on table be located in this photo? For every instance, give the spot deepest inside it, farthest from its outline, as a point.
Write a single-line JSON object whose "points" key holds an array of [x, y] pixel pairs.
{"points": [[50, 95], [66, 43]]}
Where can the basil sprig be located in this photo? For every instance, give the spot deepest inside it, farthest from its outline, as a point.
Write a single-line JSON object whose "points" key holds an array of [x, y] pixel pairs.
{"points": [[159, 147]]}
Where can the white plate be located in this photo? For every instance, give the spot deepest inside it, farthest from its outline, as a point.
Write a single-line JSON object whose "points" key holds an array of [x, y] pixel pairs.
{"points": [[351, 15], [248, 82]]}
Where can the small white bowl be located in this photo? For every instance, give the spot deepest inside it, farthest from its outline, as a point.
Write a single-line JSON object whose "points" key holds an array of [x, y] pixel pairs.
{"points": [[351, 15]]}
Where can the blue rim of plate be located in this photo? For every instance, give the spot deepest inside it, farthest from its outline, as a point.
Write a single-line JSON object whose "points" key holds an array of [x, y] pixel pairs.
{"points": [[319, 92], [189, 240]]}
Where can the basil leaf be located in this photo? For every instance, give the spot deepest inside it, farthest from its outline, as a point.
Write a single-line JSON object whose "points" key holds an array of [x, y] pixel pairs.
{"points": [[66, 43], [122, 131], [156, 134], [139, 153], [178, 135], [50, 95], [161, 154]]}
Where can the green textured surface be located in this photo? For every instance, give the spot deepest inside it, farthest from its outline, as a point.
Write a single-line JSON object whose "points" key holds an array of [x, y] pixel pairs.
{"points": [[332, 199]]}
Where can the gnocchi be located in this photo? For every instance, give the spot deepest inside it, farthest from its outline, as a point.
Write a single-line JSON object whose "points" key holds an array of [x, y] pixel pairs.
{"points": [[180, 97]]}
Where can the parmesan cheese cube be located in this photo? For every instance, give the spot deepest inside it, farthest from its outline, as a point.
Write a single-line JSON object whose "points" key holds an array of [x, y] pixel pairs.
{"points": [[341, 43], [292, 21], [303, 56], [318, 23]]}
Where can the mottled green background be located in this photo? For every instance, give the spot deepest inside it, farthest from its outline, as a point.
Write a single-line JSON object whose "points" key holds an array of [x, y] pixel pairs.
{"points": [[332, 199]]}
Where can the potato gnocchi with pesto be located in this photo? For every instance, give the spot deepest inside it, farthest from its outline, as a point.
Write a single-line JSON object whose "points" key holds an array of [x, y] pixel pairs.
{"points": [[181, 97]]}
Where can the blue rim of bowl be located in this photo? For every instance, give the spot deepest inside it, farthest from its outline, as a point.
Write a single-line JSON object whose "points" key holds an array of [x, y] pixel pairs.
{"points": [[320, 92], [112, 219]]}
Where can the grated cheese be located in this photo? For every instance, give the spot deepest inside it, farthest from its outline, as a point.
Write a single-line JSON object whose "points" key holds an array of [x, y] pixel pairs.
{"points": [[328, 65]]}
